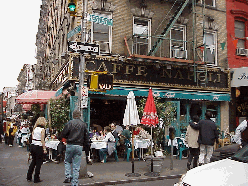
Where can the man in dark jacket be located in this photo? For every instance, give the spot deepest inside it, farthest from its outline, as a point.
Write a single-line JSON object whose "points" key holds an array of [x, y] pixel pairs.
{"points": [[76, 134], [208, 134]]}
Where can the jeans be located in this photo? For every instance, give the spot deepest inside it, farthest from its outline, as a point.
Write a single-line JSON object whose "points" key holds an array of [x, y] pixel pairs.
{"points": [[73, 156], [102, 152], [206, 152]]}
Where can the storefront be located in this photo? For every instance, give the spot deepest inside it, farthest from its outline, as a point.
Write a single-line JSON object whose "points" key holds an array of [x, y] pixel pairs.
{"points": [[239, 103], [172, 82]]}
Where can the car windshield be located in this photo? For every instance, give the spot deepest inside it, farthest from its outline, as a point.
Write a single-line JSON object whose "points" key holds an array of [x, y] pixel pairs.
{"points": [[241, 155]]}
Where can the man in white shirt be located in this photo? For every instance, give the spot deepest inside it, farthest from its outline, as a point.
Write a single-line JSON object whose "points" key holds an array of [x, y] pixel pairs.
{"points": [[241, 133]]}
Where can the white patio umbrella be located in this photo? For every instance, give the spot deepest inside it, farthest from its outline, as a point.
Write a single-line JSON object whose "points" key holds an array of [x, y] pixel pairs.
{"points": [[131, 118]]}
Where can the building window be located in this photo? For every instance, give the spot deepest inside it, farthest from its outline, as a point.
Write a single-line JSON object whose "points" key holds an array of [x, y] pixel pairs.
{"points": [[141, 33], [209, 3], [102, 34], [210, 54], [177, 42], [240, 33]]}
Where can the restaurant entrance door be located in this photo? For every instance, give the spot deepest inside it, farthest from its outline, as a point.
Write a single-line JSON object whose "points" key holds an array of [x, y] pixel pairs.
{"points": [[105, 111]]}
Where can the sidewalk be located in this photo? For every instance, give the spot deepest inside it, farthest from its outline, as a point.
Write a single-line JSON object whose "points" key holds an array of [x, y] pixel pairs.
{"points": [[14, 166]]}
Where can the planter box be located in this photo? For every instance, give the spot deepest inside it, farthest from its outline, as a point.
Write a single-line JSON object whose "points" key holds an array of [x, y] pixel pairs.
{"points": [[157, 163]]}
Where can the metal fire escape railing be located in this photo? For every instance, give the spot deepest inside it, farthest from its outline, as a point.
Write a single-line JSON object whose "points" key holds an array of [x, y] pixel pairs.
{"points": [[172, 21], [200, 68]]}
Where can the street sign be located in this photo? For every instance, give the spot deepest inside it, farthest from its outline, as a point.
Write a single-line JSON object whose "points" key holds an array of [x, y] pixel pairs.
{"points": [[100, 20], [74, 46], [74, 31]]}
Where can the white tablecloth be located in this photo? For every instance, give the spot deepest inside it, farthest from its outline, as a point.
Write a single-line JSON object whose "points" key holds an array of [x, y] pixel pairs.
{"points": [[141, 143], [175, 142], [98, 145], [52, 144]]}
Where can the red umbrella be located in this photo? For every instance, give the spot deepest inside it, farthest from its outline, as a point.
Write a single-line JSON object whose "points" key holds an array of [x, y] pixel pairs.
{"points": [[150, 117]]}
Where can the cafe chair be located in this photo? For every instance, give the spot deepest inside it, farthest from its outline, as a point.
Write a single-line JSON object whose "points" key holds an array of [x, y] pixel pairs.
{"points": [[128, 149], [115, 152], [181, 148]]}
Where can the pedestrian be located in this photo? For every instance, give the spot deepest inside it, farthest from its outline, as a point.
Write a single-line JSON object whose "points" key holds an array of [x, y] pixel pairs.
{"points": [[1, 131], [11, 136], [241, 133], [76, 134], [37, 149], [208, 134], [191, 138]]}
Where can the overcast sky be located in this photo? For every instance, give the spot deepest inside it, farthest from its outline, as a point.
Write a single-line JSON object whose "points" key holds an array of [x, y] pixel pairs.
{"points": [[19, 25]]}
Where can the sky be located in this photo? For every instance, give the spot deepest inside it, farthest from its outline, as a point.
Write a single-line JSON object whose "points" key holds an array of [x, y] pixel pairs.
{"points": [[19, 25]]}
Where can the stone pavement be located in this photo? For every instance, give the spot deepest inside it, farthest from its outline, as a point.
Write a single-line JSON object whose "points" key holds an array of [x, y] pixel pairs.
{"points": [[14, 166]]}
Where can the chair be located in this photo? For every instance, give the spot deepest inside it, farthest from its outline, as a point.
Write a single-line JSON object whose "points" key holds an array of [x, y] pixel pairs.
{"points": [[115, 152], [181, 148], [128, 149]]}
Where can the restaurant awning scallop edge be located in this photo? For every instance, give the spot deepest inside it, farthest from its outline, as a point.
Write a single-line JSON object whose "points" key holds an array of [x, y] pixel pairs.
{"points": [[35, 96]]}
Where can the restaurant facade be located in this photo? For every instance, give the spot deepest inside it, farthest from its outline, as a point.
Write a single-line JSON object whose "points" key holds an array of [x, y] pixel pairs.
{"points": [[170, 80]]}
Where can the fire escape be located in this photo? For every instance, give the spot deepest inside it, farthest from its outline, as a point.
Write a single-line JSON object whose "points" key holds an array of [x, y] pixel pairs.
{"points": [[199, 66]]}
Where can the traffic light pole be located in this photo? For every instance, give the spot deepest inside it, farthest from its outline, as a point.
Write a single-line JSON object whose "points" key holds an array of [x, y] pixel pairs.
{"points": [[82, 57], [83, 170]]}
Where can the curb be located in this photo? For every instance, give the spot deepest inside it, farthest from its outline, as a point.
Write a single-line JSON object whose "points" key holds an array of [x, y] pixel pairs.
{"points": [[132, 180]]}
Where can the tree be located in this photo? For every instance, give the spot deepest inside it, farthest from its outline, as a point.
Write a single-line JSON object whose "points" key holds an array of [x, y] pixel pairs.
{"points": [[166, 113], [59, 110]]}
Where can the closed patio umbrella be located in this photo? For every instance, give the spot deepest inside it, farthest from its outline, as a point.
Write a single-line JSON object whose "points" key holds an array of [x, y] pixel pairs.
{"points": [[131, 118]]}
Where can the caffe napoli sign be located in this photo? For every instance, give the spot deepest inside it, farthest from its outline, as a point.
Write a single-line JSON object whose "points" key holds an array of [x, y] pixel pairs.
{"points": [[148, 73]]}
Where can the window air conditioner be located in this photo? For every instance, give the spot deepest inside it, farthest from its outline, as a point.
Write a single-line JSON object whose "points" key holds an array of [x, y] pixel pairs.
{"points": [[241, 52], [180, 54]]}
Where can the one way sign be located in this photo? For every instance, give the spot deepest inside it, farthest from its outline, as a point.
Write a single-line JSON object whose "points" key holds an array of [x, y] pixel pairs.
{"points": [[74, 46]]}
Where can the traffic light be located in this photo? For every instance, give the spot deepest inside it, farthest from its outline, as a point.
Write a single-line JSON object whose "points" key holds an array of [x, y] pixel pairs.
{"points": [[72, 7], [172, 133], [92, 82]]}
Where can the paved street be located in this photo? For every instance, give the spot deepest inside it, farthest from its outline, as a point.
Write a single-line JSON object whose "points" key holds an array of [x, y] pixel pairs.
{"points": [[14, 165]]}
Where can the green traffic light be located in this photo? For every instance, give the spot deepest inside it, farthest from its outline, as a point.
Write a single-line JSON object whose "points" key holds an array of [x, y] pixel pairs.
{"points": [[72, 7]]}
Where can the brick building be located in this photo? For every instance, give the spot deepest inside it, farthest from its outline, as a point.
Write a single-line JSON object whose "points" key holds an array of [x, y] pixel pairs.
{"points": [[237, 46], [172, 46]]}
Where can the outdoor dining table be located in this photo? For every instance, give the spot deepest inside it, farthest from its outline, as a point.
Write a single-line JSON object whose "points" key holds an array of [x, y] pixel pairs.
{"points": [[141, 144], [175, 144], [51, 144]]}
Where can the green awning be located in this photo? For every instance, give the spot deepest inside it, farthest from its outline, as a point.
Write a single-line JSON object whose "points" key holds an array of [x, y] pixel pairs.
{"points": [[163, 93]]}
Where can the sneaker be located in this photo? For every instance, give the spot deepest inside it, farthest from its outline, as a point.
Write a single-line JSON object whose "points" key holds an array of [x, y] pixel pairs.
{"points": [[19, 146], [67, 180], [10, 145], [102, 161]]}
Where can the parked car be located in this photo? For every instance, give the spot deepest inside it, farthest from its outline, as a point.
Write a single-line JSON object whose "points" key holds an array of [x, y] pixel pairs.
{"points": [[225, 172], [224, 152]]}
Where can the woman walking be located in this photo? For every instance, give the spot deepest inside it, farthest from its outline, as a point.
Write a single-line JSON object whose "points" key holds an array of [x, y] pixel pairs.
{"points": [[191, 139], [37, 149]]}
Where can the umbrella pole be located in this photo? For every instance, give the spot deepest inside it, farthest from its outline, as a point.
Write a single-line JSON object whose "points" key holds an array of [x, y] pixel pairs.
{"points": [[132, 153], [132, 174], [152, 174]]}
